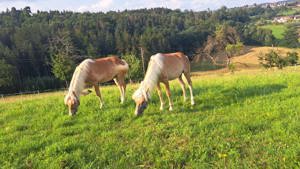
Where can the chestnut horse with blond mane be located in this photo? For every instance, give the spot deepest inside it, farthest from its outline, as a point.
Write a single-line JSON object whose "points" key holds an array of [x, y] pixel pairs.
{"points": [[92, 72], [163, 68]]}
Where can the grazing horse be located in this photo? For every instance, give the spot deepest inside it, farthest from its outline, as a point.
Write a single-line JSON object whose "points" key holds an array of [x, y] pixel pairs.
{"points": [[93, 72], [163, 68]]}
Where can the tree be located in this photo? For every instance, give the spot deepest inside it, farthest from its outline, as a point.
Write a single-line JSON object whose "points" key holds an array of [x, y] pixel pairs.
{"points": [[291, 37], [226, 38], [6, 74], [135, 67], [292, 58], [232, 50], [62, 51]]}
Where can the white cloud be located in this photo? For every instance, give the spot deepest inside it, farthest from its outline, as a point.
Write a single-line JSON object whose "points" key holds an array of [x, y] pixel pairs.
{"points": [[102, 5], [17, 4], [107, 5]]}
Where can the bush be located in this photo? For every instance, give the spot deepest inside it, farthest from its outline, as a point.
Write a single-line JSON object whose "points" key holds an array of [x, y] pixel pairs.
{"points": [[273, 59], [135, 67], [292, 58]]}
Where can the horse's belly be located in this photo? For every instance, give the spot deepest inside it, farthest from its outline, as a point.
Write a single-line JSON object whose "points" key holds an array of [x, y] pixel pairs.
{"points": [[173, 74]]}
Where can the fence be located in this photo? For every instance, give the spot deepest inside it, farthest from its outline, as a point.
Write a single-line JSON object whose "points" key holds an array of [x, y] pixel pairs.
{"points": [[3, 96]]}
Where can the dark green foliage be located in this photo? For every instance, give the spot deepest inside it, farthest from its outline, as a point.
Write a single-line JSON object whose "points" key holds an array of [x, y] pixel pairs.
{"points": [[291, 37], [7, 73], [252, 35], [135, 66], [292, 58], [272, 59], [25, 37], [62, 51]]}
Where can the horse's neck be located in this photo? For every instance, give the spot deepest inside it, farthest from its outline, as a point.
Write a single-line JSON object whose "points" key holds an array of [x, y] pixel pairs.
{"points": [[152, 76], [77, 82]]}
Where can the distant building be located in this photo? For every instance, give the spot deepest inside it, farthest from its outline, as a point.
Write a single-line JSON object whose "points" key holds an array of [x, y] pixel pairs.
{"points": [[296, 17], [283, 19], [274, 5]]}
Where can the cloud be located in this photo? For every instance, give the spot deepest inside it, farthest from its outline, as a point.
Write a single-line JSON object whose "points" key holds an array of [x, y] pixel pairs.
{"points": [[114, 5], [102, 5]]}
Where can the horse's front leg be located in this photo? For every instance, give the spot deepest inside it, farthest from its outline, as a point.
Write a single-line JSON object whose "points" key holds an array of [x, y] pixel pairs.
{"points": [[160, 97], [169, 94], [97, 89]]}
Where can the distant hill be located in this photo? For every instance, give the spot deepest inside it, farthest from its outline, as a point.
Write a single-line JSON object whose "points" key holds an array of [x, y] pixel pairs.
{"points": [[250, 58]]}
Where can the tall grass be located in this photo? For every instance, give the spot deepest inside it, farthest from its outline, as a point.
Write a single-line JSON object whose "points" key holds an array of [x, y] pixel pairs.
{"points": [[239, 121]]}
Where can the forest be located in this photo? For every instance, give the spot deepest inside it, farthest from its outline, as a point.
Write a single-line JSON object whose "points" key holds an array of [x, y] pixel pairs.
{"points": [[39, 50]]}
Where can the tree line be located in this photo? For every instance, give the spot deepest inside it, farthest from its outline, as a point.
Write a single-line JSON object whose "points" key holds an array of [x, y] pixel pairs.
{"points": [[40, 50]]}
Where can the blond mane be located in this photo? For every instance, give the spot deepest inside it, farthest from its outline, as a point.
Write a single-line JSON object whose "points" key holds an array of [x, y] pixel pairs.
{"points": [[151, 78], [78, 79]]}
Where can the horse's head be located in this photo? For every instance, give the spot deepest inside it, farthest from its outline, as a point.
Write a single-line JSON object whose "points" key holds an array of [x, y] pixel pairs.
{"points": [[72, 101], [141, 99]]}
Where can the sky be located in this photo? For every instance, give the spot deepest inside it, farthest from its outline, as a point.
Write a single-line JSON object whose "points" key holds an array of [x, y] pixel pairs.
{"points": [[115, 5]]}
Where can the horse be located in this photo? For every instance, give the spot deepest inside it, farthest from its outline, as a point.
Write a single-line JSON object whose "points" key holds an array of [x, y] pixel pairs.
{"points": [[163, 68], [93, 72]]}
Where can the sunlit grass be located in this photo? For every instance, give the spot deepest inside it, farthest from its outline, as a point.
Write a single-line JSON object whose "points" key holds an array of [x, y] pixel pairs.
{"points": [[241, 120], [277, 30]]}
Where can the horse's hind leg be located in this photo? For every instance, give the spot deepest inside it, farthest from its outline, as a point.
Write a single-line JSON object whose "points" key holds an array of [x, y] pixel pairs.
{"points": [[188, 78], [120, 82], [182, 87], [99, 95]]}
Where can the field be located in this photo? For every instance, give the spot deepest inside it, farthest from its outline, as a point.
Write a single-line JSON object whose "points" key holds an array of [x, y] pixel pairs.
{"points": [[249, 119], [277, 30], [289, 11], [250, 59]]}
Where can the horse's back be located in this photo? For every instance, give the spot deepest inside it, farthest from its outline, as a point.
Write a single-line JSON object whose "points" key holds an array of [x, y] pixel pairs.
{"points": [[172, 64], [105, 69]]}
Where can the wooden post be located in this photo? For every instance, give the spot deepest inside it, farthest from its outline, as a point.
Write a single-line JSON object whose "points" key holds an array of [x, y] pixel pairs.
{"points": [[143, 60]]}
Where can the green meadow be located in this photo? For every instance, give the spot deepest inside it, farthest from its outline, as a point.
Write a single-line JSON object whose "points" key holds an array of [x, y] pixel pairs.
{"points": [[277, 30], [242, 120]]}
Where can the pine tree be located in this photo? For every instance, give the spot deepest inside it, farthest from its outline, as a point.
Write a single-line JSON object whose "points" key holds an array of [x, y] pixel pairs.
{"points": [[291, 37]]}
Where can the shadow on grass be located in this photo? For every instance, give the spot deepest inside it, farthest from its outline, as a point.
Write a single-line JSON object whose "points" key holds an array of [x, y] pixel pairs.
{"points": [[234, 95], [211, 97]]}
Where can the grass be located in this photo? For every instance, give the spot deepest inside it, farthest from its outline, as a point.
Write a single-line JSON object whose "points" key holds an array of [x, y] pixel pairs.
{"points": [[289, 11], [241, 120], [277, 30]]}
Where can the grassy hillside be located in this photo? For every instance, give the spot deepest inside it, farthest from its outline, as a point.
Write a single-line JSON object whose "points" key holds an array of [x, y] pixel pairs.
{"points": [[289, 11], [277, 29], [250, 58], [245, 120]]}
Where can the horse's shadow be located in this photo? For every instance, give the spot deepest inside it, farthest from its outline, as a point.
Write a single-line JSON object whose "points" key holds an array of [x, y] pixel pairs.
{"points": [[208, 98]]}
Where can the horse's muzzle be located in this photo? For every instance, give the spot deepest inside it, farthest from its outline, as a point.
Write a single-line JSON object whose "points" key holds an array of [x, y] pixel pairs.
{"points": [[139, 109]]}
